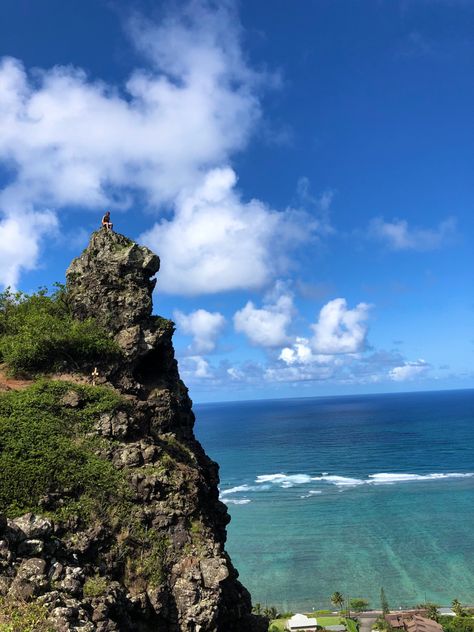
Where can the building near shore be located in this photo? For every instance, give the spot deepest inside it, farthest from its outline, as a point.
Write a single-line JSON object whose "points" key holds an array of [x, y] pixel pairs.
{"points": [[397, 619], [412, 622], [301, 623]]}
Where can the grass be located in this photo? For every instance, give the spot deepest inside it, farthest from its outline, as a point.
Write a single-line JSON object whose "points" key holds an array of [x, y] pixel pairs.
{"points": [[277, 625], [324, 621], [47, 448], [38, 334], [23, 617]]}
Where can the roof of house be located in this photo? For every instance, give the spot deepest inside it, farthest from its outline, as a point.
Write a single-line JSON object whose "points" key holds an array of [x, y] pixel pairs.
{"points": [[301, 621], [422, 624], [397, 619]]}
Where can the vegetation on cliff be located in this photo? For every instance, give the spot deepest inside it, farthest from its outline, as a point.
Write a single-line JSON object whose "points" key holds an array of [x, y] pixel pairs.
{"points": [[46, 449], [109, 510], [38, 333]]}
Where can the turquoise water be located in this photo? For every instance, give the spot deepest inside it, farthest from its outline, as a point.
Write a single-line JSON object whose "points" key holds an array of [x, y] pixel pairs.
{"points": [[348, 494]]}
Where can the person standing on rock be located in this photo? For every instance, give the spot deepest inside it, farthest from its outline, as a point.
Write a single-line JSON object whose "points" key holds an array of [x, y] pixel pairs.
{"points": [[106, 223]]}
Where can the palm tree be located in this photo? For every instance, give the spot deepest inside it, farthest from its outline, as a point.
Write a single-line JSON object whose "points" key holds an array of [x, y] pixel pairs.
{"points": [[457, 607], [337, 600], [271, 612]]}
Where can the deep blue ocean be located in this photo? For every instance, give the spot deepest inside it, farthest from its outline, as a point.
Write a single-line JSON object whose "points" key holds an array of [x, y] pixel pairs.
{"points": [[348, 494]]}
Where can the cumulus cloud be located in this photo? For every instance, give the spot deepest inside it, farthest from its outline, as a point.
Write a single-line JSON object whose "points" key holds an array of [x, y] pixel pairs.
{"points": [[19, 239], [398, 235], [408, 370], [195, 368], [266, 326], [301, 353], [339, 329], [72, 140], [216, 242], [163, 139], [203, 326]]}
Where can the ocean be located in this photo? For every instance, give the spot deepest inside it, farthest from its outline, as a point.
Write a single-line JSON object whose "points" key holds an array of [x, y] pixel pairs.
{"points": [[348, 494]]}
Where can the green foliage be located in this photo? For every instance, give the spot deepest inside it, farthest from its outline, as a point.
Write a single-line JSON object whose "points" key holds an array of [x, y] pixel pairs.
{"points": [[271, 612], [337, 599], [23, 617], [457, 624], [384, 602], [358, 604], [382, 624], [431, 610], [94, 586], [45, 448], [149, 559], [39, 334], [457, 607], [351, 625]]}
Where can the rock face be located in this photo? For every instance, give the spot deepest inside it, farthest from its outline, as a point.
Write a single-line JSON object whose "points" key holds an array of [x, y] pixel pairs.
{"points": [[82, 579]]}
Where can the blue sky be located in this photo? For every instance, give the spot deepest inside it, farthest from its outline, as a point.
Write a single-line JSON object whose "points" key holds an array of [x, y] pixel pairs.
{"points": [[305, 174]]}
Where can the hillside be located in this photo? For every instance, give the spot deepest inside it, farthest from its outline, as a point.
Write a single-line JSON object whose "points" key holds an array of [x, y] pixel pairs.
{"points": [[109, 511]]}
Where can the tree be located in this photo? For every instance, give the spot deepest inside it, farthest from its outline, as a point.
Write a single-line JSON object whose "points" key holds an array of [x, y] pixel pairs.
{"points": [[257, 608], [337, 600], [384, 602], [431, 610], [457, 607], [271, 612], [358, 604]]}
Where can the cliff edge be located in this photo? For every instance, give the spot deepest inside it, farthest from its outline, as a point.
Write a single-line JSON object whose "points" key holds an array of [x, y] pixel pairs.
{"points": [[144, 551]]}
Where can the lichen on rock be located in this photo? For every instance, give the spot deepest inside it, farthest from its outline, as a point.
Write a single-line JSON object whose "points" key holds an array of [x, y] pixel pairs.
{"points": [[153, 558]]}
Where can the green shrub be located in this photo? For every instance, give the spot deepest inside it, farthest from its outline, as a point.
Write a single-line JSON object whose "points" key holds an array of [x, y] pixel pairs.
{"points": [[39, 334], [45, 447], [457, 624], [95, 586], [23, 617]]}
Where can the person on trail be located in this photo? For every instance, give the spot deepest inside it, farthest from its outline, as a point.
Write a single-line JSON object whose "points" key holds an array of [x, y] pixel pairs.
{"points": [[106, 223]]}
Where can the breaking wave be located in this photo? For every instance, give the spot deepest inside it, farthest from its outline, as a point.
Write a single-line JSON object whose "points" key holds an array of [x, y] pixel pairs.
{"points": [[382, 478], [265, 482]]}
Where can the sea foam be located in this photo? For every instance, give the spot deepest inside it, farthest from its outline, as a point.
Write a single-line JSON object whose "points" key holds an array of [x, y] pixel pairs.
{"points": [[382, 478], [284, 480]]}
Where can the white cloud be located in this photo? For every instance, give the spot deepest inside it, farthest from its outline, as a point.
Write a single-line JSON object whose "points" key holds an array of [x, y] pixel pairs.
{"points": [[398, 235], [266, 326], [71, 140], [19, 239], [217, 242], [302, 373], [408, 370], [339, 329], [204, 326], [301, 353], [195, 367], [164, 139]]}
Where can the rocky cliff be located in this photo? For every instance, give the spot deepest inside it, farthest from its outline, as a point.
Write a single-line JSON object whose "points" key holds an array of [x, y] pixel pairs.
{"points": [[156, 561]]}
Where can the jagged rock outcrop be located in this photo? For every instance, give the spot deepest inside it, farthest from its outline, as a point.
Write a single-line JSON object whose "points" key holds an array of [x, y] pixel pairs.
{"points": [[103, 577]]}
